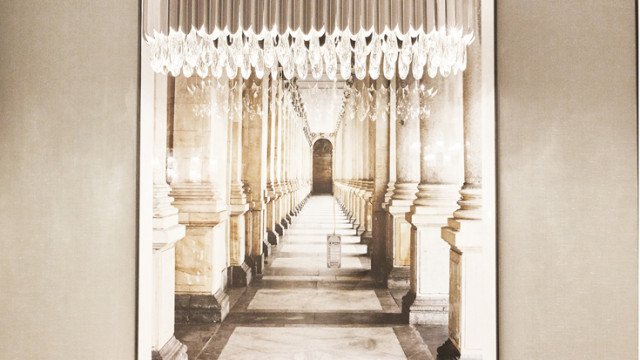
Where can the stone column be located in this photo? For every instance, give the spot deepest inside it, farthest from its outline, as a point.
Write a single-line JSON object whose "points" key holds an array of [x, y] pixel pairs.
{"points": [[272, 177], [406, 186], [166, 232], [381, 179], [348, 142], [391, 135], [465, 232], [255, 138], [286, 170], [200, 151], [239, 269], [370, 163], [440, 178], [279, 126], [359, 153], [392, 143]]}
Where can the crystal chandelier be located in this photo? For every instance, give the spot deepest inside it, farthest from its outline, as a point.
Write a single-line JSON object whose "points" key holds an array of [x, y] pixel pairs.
{"points": [[369, 37]]}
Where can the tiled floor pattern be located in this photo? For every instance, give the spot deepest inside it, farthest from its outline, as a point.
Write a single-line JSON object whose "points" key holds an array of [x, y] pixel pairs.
{"points": [[302, 310]]}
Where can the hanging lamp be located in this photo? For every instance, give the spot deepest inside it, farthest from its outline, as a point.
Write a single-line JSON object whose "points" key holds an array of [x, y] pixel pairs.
{"points": [[308, 37]]}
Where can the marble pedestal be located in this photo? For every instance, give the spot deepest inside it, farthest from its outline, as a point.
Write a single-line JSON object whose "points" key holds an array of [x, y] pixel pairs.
{"points": [[172, 350], [166, 232], [201, 256], [467, 296], [240, 275], [366, 238], [399, 231], [429, 300], [257, 268], [426, 309], [273, 237], [398, 278], [202, 308]]}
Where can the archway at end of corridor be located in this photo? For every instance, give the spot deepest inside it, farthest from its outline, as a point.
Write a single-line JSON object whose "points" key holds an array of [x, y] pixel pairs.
{"points": [[322, 167]]}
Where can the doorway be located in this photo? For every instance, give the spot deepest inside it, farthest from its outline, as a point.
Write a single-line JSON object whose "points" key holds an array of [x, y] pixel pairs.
{"points": [[323, 167]]}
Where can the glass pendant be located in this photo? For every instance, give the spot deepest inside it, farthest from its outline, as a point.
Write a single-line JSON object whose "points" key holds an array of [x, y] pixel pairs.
{"points": [[302, 68], [375, 57], [202, 69], [344, 51], [417, 68], [254, 50], [208, 52], [315, 57], [360, 71], [223, 56], [389, 67], [361, 50], [246, 61], [187, 70], [287, 71], [259, 65], [269, 52], [232, 68], [330, 57], [404, 58], [175, 45], [390, 56], [283, 50], [299, 51], [216, 69], [191, 53]]}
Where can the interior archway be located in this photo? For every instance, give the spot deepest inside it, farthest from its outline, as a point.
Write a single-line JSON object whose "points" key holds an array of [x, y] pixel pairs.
{"points": [[322, 167]]}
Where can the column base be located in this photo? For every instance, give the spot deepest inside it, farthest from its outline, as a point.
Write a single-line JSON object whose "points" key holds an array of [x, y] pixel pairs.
{"points": [[273, 237], [279, 229], [285, 223], [448, 351], [258, 266], [426, 310], [266, 247], [172, 350], [201, 308], [398, 278], [367, 239], [240, 275]]}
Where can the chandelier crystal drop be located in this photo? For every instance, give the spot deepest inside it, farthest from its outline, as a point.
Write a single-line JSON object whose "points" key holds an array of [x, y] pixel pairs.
{"points": [[442, 52]]}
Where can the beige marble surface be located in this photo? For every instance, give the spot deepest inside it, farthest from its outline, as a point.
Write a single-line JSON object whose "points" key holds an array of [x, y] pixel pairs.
{"points": [[312, 343], [319, 239], [314, 300], [315, 263], [321, 248], [311, 230]]}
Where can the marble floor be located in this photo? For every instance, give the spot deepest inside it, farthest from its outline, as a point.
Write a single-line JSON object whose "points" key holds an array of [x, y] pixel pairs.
{"points": [[302, 310]]}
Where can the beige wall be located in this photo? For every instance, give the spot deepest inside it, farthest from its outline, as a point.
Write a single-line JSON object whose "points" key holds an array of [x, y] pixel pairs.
{"points": [[567, 178], [68, 128]]}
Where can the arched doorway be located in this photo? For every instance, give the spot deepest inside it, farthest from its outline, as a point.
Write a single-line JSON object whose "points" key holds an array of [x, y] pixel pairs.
{"points": [[322, 167]]}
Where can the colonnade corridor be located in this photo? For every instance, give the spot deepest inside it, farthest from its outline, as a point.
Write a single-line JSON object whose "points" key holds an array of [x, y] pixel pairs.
{"points": [[302, 309]]}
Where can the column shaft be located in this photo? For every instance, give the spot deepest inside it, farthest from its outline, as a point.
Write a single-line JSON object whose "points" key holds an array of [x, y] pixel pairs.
{"points": [[407, 178], [441, 175], [465, 231]]}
